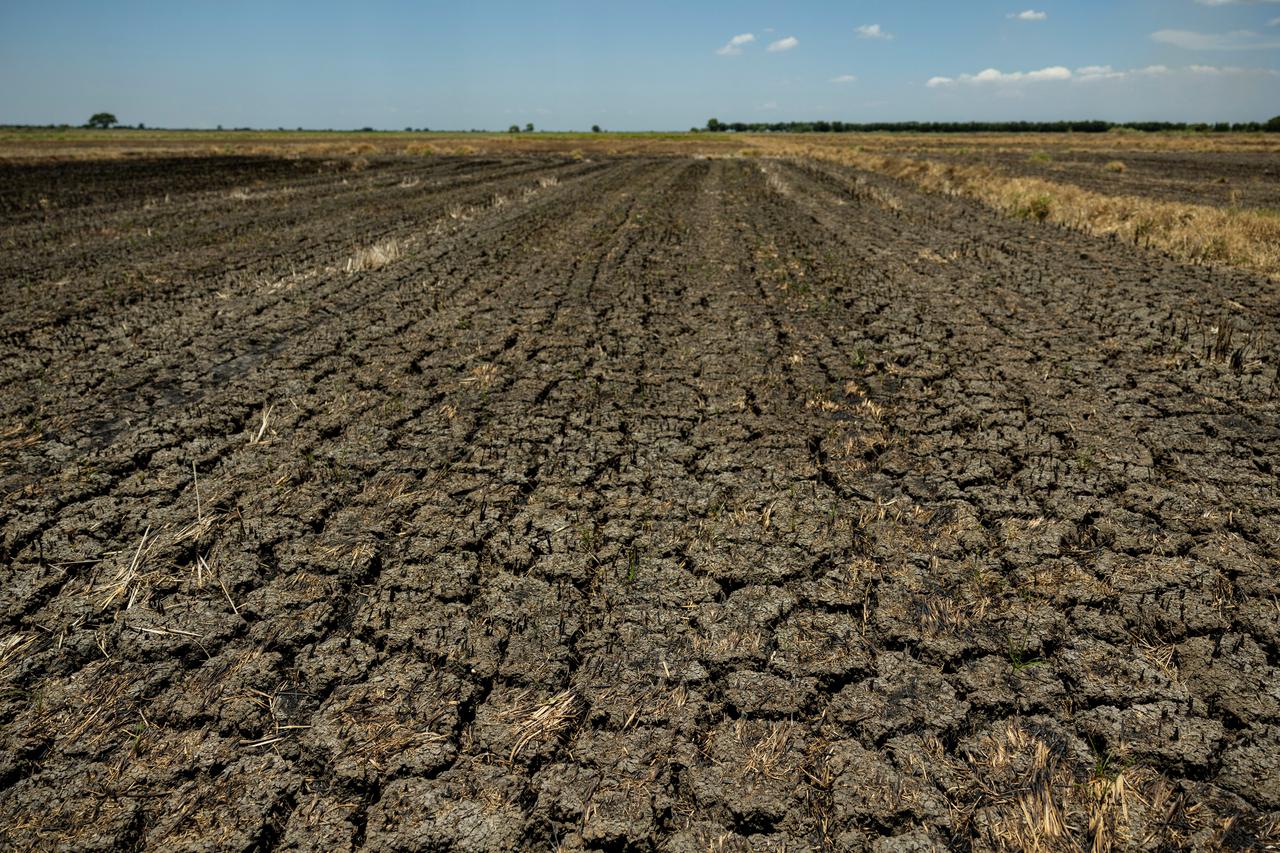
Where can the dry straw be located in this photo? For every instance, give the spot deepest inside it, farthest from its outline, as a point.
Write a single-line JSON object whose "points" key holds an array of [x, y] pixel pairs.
{"points": [[1192, 233], [375, 257]]}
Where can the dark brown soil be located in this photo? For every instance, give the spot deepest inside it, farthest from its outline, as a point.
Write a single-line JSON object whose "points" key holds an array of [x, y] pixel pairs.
{"points": [[1214, 178], [636, 504]]}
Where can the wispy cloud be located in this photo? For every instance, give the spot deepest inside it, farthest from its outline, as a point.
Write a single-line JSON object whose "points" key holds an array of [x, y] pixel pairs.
{"points": [[845, 78], [1230, 69], [1234, 40], [1274, 22], [783, 44], [734, 46], [1086, 74], [1097, 72], [1093, 73], [1028, 15], [873, 31], [996, 76]]}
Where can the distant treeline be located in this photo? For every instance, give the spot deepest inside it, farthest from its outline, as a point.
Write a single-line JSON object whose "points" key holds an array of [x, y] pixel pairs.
{"points": [[715, 125]]}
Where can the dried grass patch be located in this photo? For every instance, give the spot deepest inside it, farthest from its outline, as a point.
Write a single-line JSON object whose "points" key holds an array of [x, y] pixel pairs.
{"points": [[1189, 232], [375, 257], [13, 649], [540, 721], [1031, 797]]}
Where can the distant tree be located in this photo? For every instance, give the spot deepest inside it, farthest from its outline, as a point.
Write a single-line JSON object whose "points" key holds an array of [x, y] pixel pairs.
{"points": [[515, 128], [366, 130], [141, 126], [528, 128], [1079, 126], [102, 120], [595, 128]]}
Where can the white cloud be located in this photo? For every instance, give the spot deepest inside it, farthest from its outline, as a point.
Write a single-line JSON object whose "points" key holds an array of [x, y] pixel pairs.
{"points": [[734, 46], [1028, 15], [783, 44], [1056, 72], [1098, 72], [1089, 73], [845, 78], [1274, 22], [1231, 69], [1234, 40], [995, 75], [1106, 72], [873, 31]]}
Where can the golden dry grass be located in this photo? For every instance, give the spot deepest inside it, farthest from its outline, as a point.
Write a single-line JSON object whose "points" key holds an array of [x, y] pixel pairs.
{"points": [[1053, 144], [376, 256], [1030, 797], [36, 145], [12, 649], [537, 721], [1190, 232], [78, 143]]}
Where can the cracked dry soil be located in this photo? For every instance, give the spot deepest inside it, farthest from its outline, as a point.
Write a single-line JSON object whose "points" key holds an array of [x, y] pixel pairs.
{"points": [[629, 504]]}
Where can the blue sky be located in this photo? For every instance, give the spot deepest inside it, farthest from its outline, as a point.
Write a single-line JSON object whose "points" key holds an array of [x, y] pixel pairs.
{"points": [[565, 64]]}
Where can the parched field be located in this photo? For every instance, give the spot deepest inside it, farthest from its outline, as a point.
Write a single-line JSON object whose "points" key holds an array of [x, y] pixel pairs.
{"points": [[1240, 179], [626, 503]]}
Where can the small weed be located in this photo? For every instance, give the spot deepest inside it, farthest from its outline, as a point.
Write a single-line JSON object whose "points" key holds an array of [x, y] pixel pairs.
{"points": [[1020, 658], [1115, 167], [633, 564], [1037, 207], [1107, 765], [137, 732], [1020, 663]]}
